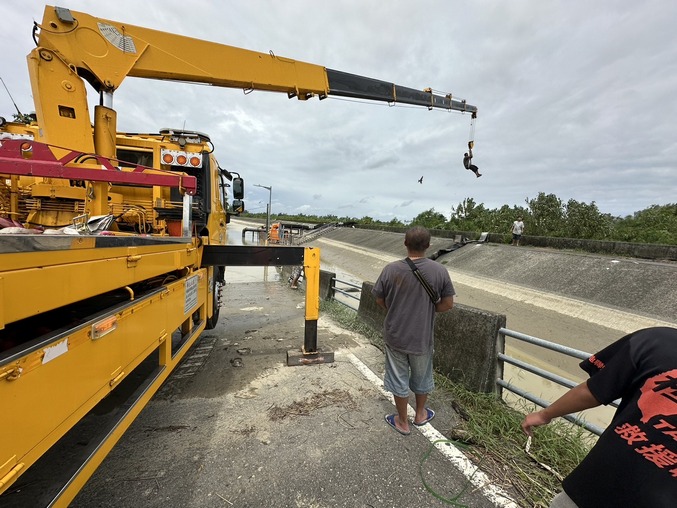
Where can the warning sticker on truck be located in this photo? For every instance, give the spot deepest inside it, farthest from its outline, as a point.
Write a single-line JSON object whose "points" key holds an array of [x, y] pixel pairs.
{"points": [[191, 294], [55, 351]]}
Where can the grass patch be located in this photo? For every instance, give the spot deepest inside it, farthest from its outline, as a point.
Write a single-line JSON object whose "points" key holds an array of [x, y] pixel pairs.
{"points": [[491, 434], [495, 440]]}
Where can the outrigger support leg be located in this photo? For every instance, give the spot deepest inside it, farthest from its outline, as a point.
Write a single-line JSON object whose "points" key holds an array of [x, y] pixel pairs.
{"points": [[242, 255], [310, 354]]}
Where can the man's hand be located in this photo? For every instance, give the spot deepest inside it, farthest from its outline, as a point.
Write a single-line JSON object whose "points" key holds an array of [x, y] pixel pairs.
{"points": [[534, 420], [444, 304], [575, 400]]}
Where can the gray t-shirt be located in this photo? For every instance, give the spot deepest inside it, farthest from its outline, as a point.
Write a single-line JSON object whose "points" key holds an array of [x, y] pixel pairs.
{"points": [[409, 323]]}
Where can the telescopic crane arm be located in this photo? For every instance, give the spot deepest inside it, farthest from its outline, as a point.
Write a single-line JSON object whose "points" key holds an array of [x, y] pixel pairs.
{"points": [[359, 87], [74, 46]]}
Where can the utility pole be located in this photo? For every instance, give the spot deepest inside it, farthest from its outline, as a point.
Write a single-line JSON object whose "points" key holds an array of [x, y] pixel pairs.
{"points": [[268, 208]]}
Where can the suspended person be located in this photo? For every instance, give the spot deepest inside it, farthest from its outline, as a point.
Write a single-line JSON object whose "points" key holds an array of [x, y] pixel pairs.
{"points": [[467, 161]]}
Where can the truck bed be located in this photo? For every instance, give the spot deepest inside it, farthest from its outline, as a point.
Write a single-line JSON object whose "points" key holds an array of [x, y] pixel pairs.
{"points": [[86, 321], [40, 273], [32, 243]]}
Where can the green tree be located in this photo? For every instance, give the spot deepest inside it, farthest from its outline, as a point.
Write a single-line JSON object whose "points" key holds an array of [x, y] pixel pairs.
{"points": [[469, 216], [656, 224], [585, 221], [430, 219], [547, 215], [463, 215], [464, 210]]}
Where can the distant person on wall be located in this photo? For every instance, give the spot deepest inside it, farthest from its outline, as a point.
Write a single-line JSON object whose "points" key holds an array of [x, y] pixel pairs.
{"points": [[409, 324], [517, 230], [634, 462], [467, 162]]}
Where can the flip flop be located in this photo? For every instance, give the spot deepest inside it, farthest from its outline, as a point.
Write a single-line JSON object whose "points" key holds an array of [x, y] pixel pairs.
{"points": [[390, 420], [430, 415]]}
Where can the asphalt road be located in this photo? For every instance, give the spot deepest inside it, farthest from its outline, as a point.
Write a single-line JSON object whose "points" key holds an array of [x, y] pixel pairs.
{"points": [[235, 426]]}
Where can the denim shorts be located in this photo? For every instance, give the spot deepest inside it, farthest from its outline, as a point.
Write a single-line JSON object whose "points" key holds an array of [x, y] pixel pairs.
{"points": [[406, 372]]}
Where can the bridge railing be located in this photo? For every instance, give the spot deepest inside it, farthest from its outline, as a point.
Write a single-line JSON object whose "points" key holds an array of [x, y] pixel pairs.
{"points": [[545, 374]]}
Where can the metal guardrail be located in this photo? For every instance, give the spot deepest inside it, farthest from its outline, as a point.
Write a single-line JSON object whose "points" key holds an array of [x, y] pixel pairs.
{"points": [[505, 332], [346, 293], [553, 346]]}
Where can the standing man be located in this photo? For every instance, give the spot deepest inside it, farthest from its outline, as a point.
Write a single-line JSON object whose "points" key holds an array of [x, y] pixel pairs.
{"points": [[517, 230], [634, 462], [409, 325]]}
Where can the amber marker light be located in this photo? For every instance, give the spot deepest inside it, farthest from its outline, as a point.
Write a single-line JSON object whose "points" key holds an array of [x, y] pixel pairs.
{"points": [[181, 160], [104, 327], [168, 158], [195, 161]]}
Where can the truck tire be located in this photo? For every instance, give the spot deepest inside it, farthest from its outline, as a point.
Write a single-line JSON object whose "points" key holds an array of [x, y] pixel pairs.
{"points": [[211, 321]]}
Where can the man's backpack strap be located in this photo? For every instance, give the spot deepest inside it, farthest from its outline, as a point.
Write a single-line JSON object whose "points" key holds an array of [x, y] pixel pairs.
{"points": [[434, 297]]}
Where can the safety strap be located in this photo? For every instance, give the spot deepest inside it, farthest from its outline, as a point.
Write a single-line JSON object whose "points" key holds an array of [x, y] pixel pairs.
{"points": [[434, 297], [471, 136]]}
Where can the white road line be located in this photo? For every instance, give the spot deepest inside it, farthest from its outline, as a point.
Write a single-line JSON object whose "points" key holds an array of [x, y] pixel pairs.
{"points": [[448, 450]]}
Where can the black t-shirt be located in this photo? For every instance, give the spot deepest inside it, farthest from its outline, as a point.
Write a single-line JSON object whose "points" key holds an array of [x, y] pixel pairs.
{"points": [[634, 463]]}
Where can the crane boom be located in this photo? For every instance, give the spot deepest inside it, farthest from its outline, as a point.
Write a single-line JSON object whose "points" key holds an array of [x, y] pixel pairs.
{"points": [[360, 87], [73, 46]]}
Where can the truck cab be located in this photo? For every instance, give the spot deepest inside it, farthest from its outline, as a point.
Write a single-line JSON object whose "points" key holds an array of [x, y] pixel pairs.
{"points": [[188, 152]]}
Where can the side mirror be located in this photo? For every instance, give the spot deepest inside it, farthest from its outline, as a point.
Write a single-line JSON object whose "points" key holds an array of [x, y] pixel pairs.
{"points": [[238, 207], [238, 188]]}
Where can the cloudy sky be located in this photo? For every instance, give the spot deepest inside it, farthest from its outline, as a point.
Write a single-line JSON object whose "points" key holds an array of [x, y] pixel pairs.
{"points": [[575, 98]]}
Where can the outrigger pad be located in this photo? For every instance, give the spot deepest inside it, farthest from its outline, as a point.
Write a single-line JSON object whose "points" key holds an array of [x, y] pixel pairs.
{"points": [[295, 358]]}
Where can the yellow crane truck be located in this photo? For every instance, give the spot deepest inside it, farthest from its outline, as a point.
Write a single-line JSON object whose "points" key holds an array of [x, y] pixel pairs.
{"points": [[113, 245]]}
